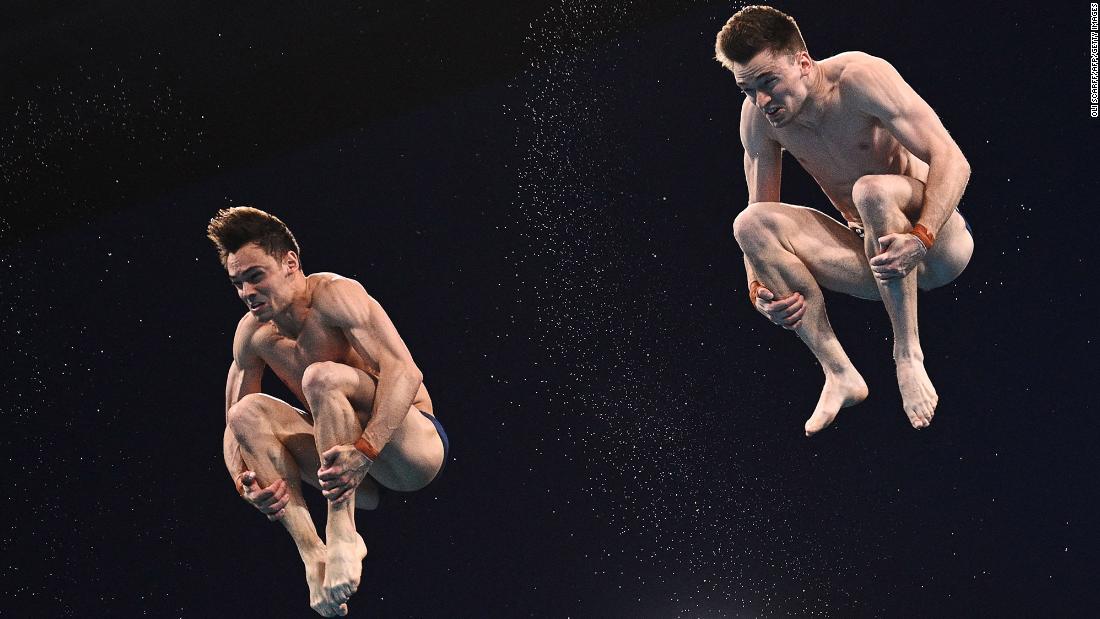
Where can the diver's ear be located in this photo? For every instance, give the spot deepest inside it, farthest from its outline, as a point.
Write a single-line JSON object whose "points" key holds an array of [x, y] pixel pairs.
{"points": [[291, 263], [804, 62]]}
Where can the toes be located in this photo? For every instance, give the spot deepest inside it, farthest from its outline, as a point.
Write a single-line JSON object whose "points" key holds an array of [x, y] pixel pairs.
{"points": [[336, 609], [920, 419]]}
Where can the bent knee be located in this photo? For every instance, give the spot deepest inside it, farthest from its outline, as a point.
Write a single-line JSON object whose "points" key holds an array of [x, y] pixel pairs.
{"points": [[324, 377], [247, 413], [872, 190], [758, 223]]}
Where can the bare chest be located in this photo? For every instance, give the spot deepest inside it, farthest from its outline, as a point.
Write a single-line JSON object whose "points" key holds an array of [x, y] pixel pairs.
{"points": [[841, 149], [289, 357]]}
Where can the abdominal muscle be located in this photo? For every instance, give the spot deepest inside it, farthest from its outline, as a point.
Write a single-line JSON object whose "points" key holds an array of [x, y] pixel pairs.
{"points": [[838, 186]]}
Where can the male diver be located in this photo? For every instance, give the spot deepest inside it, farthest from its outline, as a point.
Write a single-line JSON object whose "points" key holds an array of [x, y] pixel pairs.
{"points": [[884, 160], [368, 420]]}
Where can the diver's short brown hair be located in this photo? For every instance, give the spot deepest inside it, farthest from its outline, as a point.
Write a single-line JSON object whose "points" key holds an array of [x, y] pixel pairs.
{"points": [[233, 228], [754, 29]]}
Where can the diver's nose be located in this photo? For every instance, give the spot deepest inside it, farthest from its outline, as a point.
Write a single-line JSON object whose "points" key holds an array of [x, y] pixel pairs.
{"points": [[762, 100]]}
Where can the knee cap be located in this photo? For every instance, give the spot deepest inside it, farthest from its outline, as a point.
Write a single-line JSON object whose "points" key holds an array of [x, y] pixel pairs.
{"points": [[753, 223], [246, 412], [870, 190], [321, 377]]}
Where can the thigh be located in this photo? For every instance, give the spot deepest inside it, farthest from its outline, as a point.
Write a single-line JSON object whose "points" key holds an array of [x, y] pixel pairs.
{"points": [[949, 255], [293, 428], [954, 244], [414, 452], [837, 258], [832, 252]]}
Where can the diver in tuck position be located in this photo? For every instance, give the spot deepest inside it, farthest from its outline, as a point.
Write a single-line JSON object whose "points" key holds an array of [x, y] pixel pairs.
{"points": [[884, 160], [368, 421]]}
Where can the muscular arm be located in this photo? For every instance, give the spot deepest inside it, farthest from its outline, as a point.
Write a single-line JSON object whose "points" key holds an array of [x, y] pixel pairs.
{"points": [[880, 91], [346, 305], [763, 156], [245, 375]]}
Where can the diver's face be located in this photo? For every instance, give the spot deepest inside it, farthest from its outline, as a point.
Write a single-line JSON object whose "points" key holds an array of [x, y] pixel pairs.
{"points": [[262, 282], [775, 83]]}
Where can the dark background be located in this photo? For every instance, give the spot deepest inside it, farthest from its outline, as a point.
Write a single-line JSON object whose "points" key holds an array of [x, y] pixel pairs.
{"points": [[540, 196]]}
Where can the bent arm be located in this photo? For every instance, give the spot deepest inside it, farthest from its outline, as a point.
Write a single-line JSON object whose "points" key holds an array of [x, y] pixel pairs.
{"points": [[763, 156], [347, 306], [881, 92], [245, 377]]}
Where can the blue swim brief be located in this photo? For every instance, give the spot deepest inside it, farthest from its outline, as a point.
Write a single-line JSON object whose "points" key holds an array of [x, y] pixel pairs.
{"points": [[442, 437]]}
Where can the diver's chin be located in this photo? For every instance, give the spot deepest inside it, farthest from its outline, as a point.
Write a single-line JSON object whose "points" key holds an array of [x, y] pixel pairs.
{"points": [[262, 312], [781, 118]]}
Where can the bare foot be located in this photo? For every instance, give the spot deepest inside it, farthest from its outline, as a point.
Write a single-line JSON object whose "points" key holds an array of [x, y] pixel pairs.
{"points": [[918, 396], [315, 579], [840, 391], [343, 568]]}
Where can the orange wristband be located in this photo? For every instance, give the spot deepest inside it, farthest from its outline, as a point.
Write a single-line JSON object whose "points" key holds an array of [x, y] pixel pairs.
{"points": [[923, 235], [368, 450], [753, 287]]}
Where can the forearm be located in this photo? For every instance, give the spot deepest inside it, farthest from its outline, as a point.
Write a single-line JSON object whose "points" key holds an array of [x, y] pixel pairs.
{"points": [[947, 178], [393, 398], [231, 451]]}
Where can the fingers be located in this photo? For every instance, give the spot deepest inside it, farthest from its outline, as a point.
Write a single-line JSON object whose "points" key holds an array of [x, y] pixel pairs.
{"points": [[786, 310], [764, 293], [245, 480], [339, 496], [782, 305], [887, 272], [338, 493], [794, 320], [886, 241], [333, 482], [272, 500], [272, 495], [329, 456], [347, 493], [885, 266], [329, 473], [338, 489]]}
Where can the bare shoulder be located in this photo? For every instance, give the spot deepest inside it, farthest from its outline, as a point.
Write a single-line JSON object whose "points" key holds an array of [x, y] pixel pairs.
{"points": [[871, 85], [862, 75], [244, 351], [339, 300], [850, 67], [329, 287]]}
